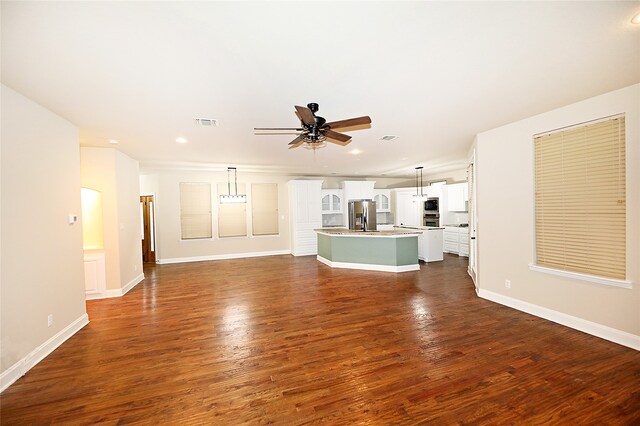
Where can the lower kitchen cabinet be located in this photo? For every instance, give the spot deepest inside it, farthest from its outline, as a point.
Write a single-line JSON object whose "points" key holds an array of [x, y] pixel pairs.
{"points": [[456, 240]]}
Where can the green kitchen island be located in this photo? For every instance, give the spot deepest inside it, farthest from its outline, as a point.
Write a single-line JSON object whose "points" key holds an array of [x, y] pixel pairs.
{"points": [[390, 251]]}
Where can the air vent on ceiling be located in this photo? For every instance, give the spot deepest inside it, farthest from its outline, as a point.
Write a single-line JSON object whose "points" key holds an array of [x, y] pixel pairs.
{"points": [[206, 122], [388, 138]]}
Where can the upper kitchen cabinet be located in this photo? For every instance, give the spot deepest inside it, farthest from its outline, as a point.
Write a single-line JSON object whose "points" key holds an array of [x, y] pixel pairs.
{"points": [[332, 201], [358, 190], [433, 190], [382, 197], [458, 197]]}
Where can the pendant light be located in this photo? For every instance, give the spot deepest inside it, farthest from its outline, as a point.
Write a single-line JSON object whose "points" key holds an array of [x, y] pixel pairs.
{"points": [[419, 195], [235, 198]]}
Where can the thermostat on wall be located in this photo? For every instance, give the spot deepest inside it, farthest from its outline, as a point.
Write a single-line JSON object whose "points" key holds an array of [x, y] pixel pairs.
{"points": [[72, 218]]}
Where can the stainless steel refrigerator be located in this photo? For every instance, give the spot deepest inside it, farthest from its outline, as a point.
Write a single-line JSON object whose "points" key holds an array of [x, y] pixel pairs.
{"points": [[362, 215]]}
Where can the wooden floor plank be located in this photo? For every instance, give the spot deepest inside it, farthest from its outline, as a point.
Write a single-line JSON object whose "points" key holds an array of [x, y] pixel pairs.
{"points": [[285, 340]]}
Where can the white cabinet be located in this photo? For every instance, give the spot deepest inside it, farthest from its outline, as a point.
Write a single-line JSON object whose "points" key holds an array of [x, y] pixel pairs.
{"points": [[305, 208], [456, 240], [463, 235], [451, 240], [433, 191], [358, 190], [382, 197], [457, 197], [331, 201], [430, 245], [408, 211]]}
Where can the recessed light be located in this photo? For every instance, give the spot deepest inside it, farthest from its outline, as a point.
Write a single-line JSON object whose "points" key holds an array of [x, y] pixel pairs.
{"points": [[636, 19], [181, 140], [113, 141], [355, 151], [404, 158]]}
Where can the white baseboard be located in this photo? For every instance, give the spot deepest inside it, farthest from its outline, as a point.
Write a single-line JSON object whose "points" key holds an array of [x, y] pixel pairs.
{"points": [[611, 334], [116, 292], [369, 266], [21, 367], [222, 256]]}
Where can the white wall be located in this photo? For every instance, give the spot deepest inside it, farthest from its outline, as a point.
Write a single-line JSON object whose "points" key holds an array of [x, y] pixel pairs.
{"points": [[42, 262], [169, 246], [506, 218]]}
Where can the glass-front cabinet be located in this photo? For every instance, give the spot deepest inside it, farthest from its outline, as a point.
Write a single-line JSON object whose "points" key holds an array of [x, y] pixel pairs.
{"points": [[331, 201], [382, 198]]}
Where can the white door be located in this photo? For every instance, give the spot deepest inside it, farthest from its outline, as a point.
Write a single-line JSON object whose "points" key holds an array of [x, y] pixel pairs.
{"points": [[407, 210]]}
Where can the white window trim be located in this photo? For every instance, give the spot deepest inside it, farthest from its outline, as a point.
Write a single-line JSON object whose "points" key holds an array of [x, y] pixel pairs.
{"points": [[582, 277]]}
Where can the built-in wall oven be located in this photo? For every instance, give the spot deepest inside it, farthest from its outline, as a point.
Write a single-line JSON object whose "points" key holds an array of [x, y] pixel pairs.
{"points": [[431, 212]]}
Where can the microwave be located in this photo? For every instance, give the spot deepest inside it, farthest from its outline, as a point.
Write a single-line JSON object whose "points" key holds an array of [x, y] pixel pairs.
{"points": [[432, 204]]}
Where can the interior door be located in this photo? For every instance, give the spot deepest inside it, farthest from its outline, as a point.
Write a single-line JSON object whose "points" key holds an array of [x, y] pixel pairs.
{"points": [[147, 211]]}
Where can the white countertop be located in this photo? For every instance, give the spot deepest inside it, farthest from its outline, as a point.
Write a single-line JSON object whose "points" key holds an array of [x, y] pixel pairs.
{"points": [[344, 232]]}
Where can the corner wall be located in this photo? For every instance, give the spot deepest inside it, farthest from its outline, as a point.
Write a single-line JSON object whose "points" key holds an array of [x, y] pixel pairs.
{"points": [[115, 175], [42, 262], [506, 240]]}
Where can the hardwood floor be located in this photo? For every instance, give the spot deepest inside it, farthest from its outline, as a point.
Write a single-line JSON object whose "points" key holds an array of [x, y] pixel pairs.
{"points": [[289, 341]]}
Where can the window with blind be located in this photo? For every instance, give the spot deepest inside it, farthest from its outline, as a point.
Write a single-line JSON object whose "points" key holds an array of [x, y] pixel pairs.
{"points": [[580, 202], [232, 218], [195, 210], [264, 208]]}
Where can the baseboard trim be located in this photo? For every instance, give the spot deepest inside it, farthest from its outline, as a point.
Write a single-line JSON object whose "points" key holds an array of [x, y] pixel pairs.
{"points": [[222, 256], [602, 331], [116, 292], [20, 368], [369, 266]]}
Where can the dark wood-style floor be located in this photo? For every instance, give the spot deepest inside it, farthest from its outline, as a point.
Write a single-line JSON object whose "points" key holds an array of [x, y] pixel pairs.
{"points": [[289, 341]]}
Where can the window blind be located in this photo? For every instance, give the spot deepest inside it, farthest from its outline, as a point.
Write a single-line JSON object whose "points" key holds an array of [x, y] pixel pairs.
{"points": [[195, 210], [264, 208], [580, 199], [232, 218]]}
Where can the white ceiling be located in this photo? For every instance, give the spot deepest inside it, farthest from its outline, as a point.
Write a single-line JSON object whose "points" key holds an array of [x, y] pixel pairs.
{"points": [[433, 73]]}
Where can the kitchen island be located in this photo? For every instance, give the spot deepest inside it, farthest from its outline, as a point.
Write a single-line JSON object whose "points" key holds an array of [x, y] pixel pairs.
{"points": [[390, 251]]}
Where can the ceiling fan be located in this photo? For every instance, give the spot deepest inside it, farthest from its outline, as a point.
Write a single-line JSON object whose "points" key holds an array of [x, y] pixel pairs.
{"points": [[315, 130]]}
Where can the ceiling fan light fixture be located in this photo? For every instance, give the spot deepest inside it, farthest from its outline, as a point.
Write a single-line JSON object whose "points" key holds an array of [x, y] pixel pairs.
{"points": [[314, 145]]}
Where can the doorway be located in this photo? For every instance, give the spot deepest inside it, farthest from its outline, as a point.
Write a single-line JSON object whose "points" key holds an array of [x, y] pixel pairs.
{"points": [[147, 212]]}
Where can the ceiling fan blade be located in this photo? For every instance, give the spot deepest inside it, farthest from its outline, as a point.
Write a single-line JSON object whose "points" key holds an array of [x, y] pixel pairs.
{"points": [[338, 142], [297, 141], [340, 137], [306, 115], [351, 122], [278, 128], [275, 133]]}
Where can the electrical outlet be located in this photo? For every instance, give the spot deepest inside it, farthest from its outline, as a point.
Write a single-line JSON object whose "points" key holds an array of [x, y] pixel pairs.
{"points": [[507, 283], [50, 320]]}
